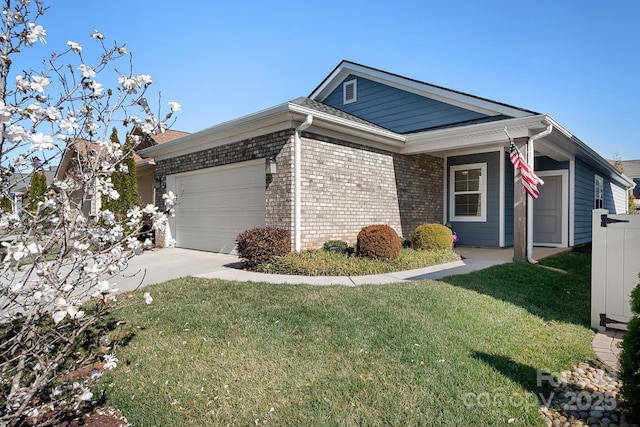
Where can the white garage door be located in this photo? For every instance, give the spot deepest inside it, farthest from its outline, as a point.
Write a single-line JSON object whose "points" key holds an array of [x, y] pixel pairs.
{"points": [[217, 204]]}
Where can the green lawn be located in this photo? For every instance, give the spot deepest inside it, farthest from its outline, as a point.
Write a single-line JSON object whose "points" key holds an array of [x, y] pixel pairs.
{"points": [[458, 352]]}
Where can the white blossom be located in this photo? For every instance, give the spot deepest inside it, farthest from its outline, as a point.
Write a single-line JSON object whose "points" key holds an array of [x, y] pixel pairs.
{"points": [[174, 106], [35, 33], [87, 71], [150, 209], [39, 83], [41, 141], [122, 50], [16, 133], [33, 111], [52, 113], [148, 299], [5, 113], [110, 362], [69, 124], [96, 88], [76, 47], [86, 395], [62, 308], [145, 79], [106, 290], [22, 84], [97, 35], [170, 199]]}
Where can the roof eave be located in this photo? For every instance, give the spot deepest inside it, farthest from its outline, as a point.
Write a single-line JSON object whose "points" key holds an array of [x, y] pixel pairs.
{"points": [[280, 117]]}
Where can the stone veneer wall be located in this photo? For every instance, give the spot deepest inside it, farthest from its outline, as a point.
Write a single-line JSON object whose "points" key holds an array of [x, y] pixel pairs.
{"points": [[345, 186]]}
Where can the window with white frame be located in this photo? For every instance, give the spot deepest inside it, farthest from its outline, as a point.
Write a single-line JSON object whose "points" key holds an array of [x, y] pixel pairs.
{"points": [[599, 192], [468, 192]]}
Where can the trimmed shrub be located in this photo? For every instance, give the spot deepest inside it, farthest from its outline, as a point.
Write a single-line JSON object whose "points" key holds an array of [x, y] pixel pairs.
{"points": [[378, 242], [337, 246], [630, 360], [259, 245], [432, 237]]}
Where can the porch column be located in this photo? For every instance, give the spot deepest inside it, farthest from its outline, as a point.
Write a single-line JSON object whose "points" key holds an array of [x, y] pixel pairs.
{"points": [[519, 210]]}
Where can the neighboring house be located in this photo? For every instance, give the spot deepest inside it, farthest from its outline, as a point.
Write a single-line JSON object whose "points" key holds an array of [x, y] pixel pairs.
{"points": [[145, 168], [75, 154], [19, 184], [373, 147], [632, 170]]}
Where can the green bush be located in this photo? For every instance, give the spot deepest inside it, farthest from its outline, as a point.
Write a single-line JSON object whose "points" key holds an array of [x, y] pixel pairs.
{"points": [[432, 237], [6, 205], [337, 246], [630, 360], [378, 242], [259, 245]]}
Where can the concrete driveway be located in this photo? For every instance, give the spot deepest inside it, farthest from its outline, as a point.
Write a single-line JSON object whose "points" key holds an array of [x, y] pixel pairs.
{"points": [[160, 265]]}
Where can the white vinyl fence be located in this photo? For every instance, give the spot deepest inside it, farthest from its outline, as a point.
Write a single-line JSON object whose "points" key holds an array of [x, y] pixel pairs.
{"points": [[615, 265]]}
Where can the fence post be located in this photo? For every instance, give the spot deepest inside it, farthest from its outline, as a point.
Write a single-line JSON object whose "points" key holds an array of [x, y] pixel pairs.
{"points": [[598, 268]]}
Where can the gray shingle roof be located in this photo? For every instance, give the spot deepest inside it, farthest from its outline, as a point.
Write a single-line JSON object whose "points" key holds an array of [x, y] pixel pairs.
{"points": [[324, 108]]}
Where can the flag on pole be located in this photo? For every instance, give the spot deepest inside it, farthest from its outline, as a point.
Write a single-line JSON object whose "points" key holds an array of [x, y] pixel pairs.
{"points": [[530, 180]]}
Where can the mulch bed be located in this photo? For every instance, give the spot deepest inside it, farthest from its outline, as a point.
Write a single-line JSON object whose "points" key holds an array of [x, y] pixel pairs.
{"points": [[87, 416]]}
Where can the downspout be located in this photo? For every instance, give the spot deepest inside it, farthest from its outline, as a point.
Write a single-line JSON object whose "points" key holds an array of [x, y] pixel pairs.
{"points": [[530, 161], [297, 183]]}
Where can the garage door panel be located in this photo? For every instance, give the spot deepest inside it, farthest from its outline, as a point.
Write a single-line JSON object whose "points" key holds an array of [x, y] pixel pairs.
{"points": [[217, 204]]}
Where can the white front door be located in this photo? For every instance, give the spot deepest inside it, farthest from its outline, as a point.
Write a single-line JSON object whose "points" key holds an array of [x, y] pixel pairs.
{"points": [[550, 210]]}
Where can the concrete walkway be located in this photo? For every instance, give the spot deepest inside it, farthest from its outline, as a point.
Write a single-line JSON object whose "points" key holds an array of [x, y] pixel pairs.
{"points": [[171, 263]]}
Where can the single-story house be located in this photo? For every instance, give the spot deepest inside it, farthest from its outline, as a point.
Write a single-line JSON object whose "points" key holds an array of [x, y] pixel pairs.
{"points": [[369, 147]]}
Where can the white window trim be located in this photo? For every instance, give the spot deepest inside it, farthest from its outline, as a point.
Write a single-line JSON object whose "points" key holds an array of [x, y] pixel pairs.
{"points": [[598, 182], [483, 193], [353, 82]]}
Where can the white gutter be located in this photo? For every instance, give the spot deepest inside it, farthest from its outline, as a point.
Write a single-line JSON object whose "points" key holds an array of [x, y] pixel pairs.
{"points": [[297, 183], [530, 161]]}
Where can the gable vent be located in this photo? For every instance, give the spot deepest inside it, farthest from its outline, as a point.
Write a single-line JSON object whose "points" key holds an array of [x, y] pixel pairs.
{"points": [[349, 91]]}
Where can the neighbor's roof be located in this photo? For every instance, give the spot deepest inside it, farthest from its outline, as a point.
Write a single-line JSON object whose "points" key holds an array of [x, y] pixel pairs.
{"points": [[631, 167]]}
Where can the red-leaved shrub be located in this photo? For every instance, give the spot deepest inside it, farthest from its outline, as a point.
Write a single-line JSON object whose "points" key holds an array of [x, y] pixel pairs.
{"points": [[259, 245], [378, 241]]}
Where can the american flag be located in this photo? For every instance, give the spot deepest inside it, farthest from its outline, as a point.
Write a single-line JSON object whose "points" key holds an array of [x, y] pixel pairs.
{"points": [[530, 180]]}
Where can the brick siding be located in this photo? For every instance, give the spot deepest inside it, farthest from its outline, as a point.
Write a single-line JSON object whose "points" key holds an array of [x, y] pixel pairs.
{"points": [[345, 186]]}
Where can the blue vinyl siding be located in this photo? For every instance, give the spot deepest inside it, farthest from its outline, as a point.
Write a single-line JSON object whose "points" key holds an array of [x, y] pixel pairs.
{"points": [[584, 202], [585, 199], [480, 233], [397, 110]]}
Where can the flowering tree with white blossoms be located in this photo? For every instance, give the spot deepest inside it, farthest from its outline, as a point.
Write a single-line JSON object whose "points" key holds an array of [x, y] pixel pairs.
{"points": [[58, 262]]}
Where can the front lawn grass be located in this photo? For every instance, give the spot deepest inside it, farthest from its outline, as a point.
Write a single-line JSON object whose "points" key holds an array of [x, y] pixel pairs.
{"points": [[430, 353], [318, 262]]}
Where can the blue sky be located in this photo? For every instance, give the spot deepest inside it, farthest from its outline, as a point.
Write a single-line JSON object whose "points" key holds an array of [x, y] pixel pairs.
{"points": [[578, 61]]}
